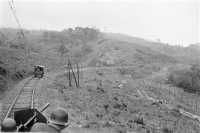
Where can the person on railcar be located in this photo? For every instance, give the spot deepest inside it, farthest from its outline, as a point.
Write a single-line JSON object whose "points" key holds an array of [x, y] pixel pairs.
{"points": [[8, 125], [58, 121]]}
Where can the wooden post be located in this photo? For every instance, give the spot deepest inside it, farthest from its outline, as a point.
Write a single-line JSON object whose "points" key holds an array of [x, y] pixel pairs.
{"points": [[196, 102], [69, 74], [77, 67], [73, 74]]}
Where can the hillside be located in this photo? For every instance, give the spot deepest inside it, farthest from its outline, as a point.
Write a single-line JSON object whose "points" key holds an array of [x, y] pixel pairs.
{"points": [[184, 54], [88, 46], [80, 43], [48, 48], [123, 78]]}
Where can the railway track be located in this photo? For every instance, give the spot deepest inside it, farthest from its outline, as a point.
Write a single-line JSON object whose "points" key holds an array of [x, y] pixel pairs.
{"points": [[23, 99]]}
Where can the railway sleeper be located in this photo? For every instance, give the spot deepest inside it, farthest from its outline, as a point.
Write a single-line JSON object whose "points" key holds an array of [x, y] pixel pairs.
{"points": [[20, 108], [22, 105], [30, 85], [23, 101], [27, 91], [25, 96]]}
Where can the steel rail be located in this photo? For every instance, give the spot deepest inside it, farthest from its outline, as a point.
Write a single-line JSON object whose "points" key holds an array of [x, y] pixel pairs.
{"points": [[32, 96], [15, 100]]}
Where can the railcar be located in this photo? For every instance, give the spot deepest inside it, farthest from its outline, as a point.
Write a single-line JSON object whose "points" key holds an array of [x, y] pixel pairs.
{"points": [[38, 71]]}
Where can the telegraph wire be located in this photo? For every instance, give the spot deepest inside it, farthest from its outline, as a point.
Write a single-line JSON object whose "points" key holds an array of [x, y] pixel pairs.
{"points": [[11, 5]]}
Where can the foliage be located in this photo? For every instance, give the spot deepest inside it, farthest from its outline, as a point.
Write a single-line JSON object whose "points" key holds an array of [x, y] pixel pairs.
{"points": [[86, 49], [3, 83], [188, 79], [167, 130], [70, 36]]}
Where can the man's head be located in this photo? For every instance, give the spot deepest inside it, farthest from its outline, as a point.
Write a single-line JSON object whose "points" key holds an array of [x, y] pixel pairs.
{"points": [[8, 125], [59, 117]]}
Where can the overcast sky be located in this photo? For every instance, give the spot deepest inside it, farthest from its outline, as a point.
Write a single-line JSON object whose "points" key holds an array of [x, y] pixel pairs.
{"points": [[172, 21]]}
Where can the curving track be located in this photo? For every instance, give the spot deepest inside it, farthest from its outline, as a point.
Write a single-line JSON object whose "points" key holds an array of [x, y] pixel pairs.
{"points": [[23, 99]]}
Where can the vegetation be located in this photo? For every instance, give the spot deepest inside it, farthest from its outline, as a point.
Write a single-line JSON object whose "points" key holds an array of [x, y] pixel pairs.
{"points": [[49, 48], [76, 36], [167, 130], [188, 78], [100, 101], [3, 83]]}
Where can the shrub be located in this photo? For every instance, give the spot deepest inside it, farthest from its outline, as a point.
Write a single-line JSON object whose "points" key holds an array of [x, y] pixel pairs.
{"points": [[86, 49], [188, 79], [3, 84], [3, 71], [139, 120], [167, 130]]}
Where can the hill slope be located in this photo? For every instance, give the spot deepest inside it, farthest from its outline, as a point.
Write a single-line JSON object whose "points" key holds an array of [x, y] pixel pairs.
{"points": [[110, 96], [87, 46]]}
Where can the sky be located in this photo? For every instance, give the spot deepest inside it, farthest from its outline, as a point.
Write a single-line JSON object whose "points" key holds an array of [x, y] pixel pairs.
{"points": [[175, 22]]}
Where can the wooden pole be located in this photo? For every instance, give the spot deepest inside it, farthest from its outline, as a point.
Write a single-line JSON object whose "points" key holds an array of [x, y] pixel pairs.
{"points": [[77, 67], [73, 74], [69, 74]]}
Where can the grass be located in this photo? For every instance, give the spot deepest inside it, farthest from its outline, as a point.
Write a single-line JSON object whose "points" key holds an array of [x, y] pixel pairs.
{"points": [[95, 106], [108, 98]]}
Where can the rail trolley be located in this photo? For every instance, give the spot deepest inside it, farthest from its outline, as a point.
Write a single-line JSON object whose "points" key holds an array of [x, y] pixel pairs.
{"points": [[38, 71]]}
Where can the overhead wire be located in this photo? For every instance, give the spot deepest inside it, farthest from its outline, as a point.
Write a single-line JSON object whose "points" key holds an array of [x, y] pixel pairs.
{"points": [[13, 10], [11, 5]]}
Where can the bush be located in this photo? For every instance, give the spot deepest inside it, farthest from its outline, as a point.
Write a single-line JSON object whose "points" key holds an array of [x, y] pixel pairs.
{"points": [[86, 49], [3, 84], [188, 79], [167, 130], [139, 120]]}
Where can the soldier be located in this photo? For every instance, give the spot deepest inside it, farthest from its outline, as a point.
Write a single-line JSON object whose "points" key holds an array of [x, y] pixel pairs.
{"points": [[8, 125], [58, 121]]}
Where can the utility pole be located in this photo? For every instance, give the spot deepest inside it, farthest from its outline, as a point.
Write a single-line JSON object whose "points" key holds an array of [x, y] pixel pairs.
{"points": [[196, 100], [73, 73], [69, 74], [70, 70], [78, 74]]}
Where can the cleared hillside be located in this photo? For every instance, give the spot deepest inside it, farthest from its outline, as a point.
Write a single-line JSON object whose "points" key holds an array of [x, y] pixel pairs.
{"points": [[87, 46], [124, 86]]}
